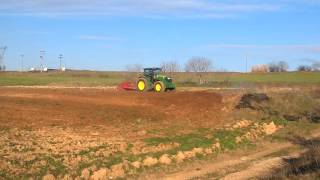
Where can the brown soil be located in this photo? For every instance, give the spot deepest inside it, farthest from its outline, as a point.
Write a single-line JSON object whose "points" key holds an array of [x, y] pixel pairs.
{"points": [[56, 128], [84, 109]]}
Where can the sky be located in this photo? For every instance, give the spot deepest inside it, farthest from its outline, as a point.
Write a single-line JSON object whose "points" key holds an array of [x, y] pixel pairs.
{"points": [[111, 34]]}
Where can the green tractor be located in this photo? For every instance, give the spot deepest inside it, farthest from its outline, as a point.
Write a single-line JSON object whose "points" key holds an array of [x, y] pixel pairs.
{"points": [[153, 80]]}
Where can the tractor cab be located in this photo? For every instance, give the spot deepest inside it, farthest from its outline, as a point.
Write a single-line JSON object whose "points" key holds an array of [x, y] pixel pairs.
{"points": [[151, 72]]}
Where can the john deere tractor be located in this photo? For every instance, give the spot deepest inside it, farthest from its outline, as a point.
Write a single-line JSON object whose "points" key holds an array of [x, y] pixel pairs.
{"points": [[153, 80]]}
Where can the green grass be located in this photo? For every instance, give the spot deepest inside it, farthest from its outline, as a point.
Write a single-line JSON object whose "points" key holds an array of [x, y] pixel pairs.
{"points": [[227, 139], [65, 79], [5, 175], [239, 79], [187, 141], [91, 78], [86, 152]]}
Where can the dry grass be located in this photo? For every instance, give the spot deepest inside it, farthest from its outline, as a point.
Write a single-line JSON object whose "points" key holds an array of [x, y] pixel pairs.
{"points": [[306, 166]]}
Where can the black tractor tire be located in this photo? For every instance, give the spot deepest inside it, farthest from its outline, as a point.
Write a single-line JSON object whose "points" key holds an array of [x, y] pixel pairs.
{"points": [[159, 84], [146, 85]]}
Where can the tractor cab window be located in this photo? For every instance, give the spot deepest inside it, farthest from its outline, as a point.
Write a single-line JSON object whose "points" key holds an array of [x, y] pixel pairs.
{"points": [[152, 71], [157, 71]]}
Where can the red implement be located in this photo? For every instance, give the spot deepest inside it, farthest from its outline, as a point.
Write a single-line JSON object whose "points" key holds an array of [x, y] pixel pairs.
{"points": [[129, 86]]}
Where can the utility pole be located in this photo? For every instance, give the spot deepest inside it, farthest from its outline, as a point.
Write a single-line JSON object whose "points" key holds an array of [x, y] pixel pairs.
{"points": [[22, 68], [246, 62], [60, 58], [2, 52], [42, 53]]}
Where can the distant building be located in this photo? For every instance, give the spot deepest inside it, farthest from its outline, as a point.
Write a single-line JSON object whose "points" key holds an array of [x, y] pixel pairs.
{"points": [[262, 68], [63, 69]]}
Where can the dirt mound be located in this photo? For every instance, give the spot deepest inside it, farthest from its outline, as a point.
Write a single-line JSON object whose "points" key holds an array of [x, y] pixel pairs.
{"points": [[252, 101]]}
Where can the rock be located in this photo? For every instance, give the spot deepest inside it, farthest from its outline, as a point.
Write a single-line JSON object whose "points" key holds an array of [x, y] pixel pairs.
{"points": [[209, 136], [126, 165], [189, 154], [216, 146], [198, 150], [136, 164], [242, 124], [164, 159], [100, 174], [67, 177], [180, 157], [269, 128], [238, 139], [85, 174], [142, 133], [150, 161], [248, 135], [48, 177], [117, 171], [95, 133], [244, 158], [208, 151], [92, 168]]}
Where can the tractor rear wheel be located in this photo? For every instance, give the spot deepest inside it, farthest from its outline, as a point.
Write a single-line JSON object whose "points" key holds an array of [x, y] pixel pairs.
{"points": [[159, 86], [142, 85]]}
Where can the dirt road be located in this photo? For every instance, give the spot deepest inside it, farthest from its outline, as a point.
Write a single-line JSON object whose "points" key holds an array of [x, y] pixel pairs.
{"points": [[260, 164]]}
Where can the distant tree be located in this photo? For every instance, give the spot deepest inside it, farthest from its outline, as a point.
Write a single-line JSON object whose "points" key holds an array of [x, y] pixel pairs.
{"points": [[199, 65], [283, 66], [134, 71], [273, 67], [316, 66], [2, 68], [134, 68], [170, 67], [304, 68], [280, 66]]}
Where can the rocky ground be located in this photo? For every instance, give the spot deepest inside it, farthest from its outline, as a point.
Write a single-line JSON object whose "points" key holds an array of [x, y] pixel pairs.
{"points": [[63, 153], [97, 134]]}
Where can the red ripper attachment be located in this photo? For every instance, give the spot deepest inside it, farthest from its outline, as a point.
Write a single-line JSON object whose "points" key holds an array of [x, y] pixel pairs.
{"points": [[129, 86]]}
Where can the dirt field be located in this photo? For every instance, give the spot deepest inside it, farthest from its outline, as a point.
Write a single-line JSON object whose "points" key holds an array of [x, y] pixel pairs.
{"points": [[98, 133], [50, 123], [89, 108]]}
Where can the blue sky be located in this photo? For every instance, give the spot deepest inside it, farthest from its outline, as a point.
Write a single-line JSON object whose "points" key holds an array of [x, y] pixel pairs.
{"points": [[110, 34]]}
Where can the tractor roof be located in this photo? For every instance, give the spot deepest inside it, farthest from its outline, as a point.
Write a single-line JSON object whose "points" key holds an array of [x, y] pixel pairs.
{"points": [[152, 69]]}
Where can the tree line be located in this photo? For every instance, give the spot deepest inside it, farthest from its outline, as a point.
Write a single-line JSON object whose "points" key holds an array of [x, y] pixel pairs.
{"points": [[195, 64], [203, 65]]}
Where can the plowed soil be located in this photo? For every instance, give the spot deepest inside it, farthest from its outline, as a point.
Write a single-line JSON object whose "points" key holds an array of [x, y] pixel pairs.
{"points": [[113, 112]]}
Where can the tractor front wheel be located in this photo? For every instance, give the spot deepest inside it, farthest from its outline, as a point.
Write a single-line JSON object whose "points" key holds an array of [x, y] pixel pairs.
{"points": [[159, 86], [142, 85]]}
